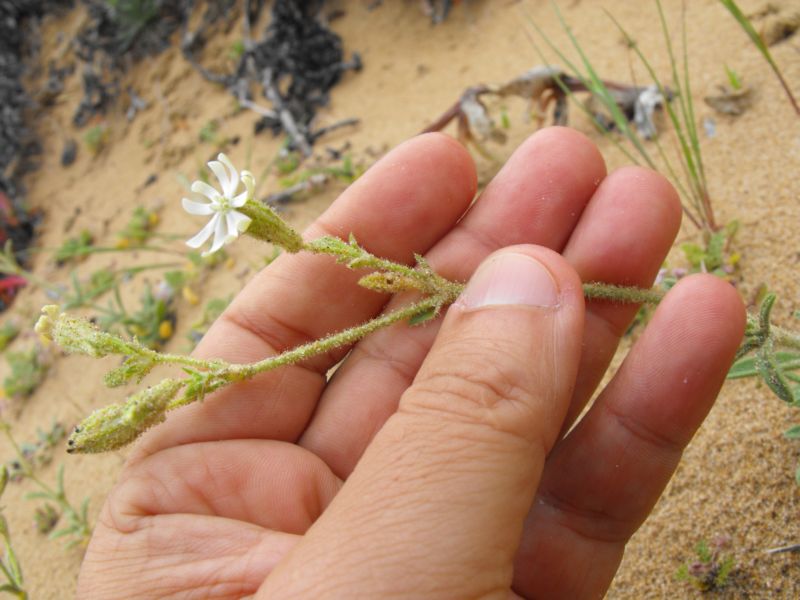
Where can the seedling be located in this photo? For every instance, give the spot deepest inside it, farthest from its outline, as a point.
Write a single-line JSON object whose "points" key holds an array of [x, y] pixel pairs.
{"points": [[139, 229], [46, 518], [152, 324], [734, 80], [77, 525], [28, 370], [8, 332], [75, 248], [9, 565], [715, 256], [751, 32], [712, 569], [96, 139], [37, 454], [100, 282]]}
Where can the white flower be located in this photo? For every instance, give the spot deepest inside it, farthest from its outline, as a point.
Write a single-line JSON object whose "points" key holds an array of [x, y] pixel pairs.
{"points": [[226, 223]]}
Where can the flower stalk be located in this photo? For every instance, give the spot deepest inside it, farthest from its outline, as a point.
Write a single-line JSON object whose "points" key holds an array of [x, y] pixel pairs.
{"points": [[115, 426]]}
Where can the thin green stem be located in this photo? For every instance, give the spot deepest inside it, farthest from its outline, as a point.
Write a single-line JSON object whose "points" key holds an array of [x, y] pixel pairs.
{"points": [[336, 340]]}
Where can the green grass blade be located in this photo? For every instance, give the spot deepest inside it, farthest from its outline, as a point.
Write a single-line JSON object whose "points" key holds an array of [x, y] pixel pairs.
{"points": [[683, 128], [601, 91], [758, 42], [574, 69], [690, 193]]}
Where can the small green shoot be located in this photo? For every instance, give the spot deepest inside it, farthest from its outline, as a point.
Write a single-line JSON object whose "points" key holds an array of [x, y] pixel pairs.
{"points": [[75, 248], [8, 332], [152, 324], [714, 256], [287, 163], [734, 80], [28, 370], [46, 518], [77, 527], [96, 138], [712, 569], [9, 564], [758, 42], [139, 228], [236, 50], [37, 454]]}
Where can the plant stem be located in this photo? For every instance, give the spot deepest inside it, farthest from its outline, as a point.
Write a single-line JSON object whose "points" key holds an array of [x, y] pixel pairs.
{"points": [[59, 497]]}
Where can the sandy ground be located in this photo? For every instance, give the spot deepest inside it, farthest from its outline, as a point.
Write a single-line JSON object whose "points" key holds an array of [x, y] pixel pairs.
{"points": [[737, 475]]}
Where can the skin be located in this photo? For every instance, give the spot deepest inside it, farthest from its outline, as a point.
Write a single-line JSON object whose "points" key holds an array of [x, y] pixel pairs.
{"points": [[435, 463]]}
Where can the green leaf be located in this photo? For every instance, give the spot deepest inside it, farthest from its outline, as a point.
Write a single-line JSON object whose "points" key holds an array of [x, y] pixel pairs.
{"points": [[61, 533], [772, 375], [797, 475], [703, 551], [746, 367], [422, 317], [716, 245], [694, 254], [10, 588], [765, 311], [38, 496], [175, 279], [793, 433]]}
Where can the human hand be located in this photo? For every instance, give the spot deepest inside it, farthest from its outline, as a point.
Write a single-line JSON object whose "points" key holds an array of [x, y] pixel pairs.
{"points": [[436, 462]]}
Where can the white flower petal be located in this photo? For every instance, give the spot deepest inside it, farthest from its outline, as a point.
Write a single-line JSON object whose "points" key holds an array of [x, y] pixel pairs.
{"points": [[220, 235], [196, 208], [205, 232], [234, 176], [201, 187], [237, 222], [240, 200], [222, 176], [249, 182]]}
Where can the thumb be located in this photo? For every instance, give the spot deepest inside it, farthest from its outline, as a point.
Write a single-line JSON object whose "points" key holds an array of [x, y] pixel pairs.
{"points": [[436, 505]]}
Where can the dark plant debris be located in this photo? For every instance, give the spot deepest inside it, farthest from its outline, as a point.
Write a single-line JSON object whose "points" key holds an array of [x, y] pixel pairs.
{"points": [[295, 65]]}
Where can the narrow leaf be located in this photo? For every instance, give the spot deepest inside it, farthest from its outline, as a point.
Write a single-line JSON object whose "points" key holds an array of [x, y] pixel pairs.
{"points": [[772, 375], [422, 317]]}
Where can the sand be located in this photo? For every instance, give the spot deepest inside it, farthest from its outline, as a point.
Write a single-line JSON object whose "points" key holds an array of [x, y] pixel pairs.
{"points": [[737, 475]]}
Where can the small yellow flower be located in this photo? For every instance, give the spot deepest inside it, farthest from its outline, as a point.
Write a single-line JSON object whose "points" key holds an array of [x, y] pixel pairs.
{"points": [[165, 330], [190, 296]]}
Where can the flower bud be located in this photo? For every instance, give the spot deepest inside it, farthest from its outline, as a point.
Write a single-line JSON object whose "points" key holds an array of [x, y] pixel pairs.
{"points": [[78, 336], [268, 226], [117, 425]]}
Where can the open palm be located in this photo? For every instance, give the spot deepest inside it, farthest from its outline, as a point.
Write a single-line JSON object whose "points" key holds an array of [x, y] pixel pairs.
{"points": [[256, 491]]}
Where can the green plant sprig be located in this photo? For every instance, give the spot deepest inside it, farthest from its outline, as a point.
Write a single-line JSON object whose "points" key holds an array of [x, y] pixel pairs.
{"points": [[116, 425], [77, 526], [9, 563]]}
